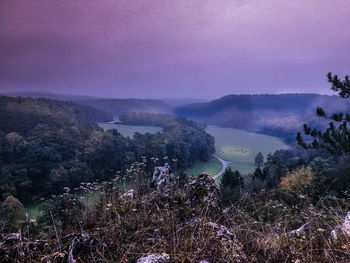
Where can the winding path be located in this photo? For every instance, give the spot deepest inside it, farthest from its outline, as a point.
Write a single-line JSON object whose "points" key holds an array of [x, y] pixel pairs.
{"points": [[225, 163]]}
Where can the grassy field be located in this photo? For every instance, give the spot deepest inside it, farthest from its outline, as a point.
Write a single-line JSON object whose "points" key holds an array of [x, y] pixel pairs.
{"points": [[242, 146], [129, 130], [212, 167], [237, 145]]}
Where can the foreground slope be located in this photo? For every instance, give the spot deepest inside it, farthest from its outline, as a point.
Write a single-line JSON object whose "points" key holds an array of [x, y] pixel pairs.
{"points": [[172, 222]]}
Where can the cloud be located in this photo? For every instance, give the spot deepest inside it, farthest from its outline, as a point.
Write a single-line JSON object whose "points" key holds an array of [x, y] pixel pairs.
{"points": [[178, 48]]}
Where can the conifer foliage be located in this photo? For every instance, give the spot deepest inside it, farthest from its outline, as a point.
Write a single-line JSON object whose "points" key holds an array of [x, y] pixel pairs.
{"points": [[231, 185], [259, 159], [336, 138]]}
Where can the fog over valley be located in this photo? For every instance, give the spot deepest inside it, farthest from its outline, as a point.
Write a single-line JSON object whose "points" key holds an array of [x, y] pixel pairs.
{"points": [[174, 131]]}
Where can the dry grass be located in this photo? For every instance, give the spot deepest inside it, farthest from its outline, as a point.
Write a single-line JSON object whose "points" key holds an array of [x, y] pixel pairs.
{"points": [[124, 229]]}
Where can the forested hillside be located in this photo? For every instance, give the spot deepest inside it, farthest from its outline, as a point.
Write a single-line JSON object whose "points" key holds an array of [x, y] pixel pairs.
{"points": [[38, 135], [27, 115], [279, 115], [113, 106], [46, 145]]}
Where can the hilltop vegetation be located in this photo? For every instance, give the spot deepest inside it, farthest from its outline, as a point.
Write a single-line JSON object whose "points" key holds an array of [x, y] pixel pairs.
{"points": [[289, 221]]}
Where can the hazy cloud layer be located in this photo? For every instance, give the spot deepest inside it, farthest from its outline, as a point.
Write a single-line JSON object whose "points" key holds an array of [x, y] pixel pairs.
{"points": [[157, 48]]}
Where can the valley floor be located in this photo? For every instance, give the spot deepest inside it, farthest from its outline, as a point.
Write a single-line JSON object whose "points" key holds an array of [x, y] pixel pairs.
{"points": [[236, 149]]}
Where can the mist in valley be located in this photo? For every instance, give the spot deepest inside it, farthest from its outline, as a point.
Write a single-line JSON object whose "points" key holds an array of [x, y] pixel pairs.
{"points": [[174, 131]]}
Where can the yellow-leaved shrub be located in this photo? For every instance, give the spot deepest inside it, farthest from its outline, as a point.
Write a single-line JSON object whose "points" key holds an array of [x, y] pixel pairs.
{"points": [[296, 185]]}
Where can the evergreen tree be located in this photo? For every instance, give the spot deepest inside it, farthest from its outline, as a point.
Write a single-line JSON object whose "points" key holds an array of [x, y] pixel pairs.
{"points": [[230, 178], [336, 138], [230, 186], [274, 170], [258, 173], [257, 182], [259, 159]]}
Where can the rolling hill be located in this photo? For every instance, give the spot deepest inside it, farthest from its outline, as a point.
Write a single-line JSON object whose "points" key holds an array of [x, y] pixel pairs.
{"points": [[113, 106], [279, 115], [26, 115]]}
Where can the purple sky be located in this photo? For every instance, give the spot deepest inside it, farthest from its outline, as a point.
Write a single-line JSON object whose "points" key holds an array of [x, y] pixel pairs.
{"points": [[172, 48]]}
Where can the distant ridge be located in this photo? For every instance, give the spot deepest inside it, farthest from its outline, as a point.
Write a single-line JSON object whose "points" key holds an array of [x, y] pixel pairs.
{"points": [[280, 115], [45, 95], [117, 106], [112, 105]]}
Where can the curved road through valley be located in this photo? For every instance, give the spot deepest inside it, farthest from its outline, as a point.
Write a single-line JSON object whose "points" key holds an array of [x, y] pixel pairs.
{"points": [[225, 163]]}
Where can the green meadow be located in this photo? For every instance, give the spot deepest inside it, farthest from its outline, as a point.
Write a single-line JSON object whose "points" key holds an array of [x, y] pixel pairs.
{"points": [[242, 146], [129, 130], [212, 167], [237, 145]]}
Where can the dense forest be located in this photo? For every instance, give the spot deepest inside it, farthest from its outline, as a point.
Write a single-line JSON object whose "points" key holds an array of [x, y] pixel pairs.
{"points": [[47, 145], [23, 115]]}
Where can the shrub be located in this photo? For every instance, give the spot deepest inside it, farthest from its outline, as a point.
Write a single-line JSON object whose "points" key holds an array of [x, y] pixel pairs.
{"points": [[13, 213], [296, 185]]}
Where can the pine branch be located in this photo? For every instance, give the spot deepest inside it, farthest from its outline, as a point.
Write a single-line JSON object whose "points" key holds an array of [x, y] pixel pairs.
{"points": [[336, 138]]}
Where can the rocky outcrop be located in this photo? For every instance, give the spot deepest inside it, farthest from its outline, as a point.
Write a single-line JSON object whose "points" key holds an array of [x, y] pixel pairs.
{"points": [[155, 258], [163, 178], [342, 229], [203, 190], [301, 230]]}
